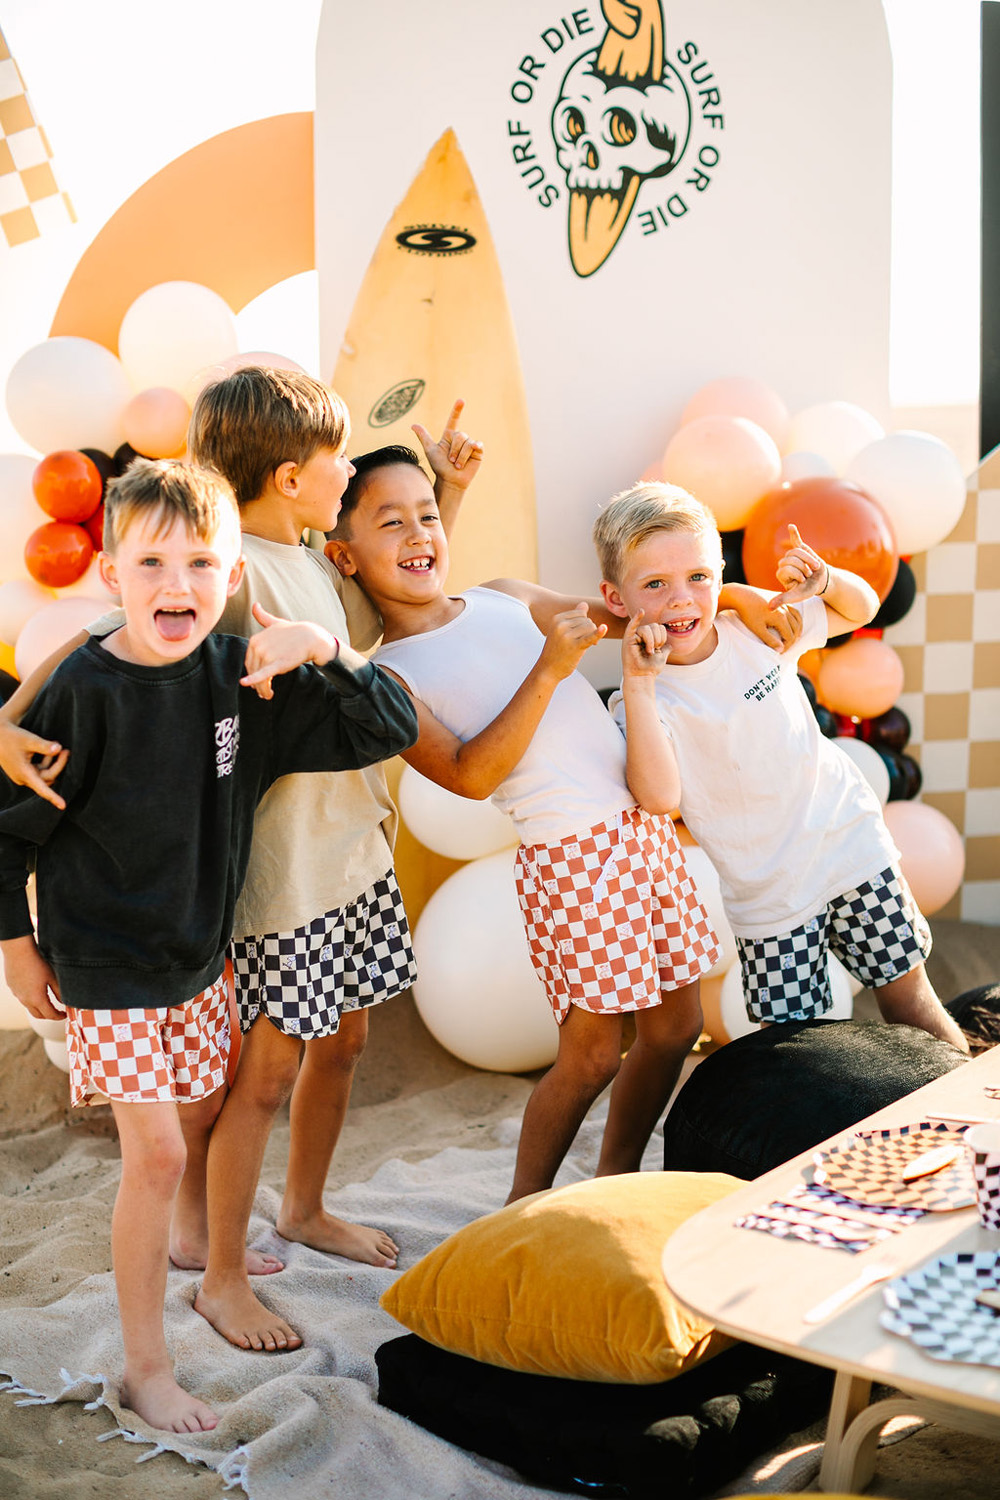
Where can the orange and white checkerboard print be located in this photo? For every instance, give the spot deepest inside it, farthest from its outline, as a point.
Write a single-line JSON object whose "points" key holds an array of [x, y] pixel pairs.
{"points": [[31, 200], [949, 643]]}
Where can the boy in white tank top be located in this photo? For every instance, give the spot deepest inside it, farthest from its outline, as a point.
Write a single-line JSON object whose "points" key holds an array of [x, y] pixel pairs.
{"points": [[612, 918]]}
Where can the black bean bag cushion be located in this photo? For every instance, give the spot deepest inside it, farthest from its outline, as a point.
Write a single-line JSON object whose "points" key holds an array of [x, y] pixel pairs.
{"points": [[780, 1090], [684, 1437]]}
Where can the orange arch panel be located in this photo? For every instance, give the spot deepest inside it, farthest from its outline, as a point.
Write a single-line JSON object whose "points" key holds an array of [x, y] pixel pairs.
{"points": [[235, 214]]}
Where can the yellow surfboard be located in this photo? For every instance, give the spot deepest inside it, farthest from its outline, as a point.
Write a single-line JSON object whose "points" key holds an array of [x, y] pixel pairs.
{"points": [[431, 322]]}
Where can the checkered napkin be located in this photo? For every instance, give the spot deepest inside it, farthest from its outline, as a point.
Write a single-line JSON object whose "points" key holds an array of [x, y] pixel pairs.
{"points": [[810, 1213]]}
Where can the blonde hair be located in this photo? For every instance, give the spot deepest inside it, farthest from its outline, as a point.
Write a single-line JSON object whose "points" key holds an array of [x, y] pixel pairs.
{"points": [[256, 419], [634, 515], [168, 490]]}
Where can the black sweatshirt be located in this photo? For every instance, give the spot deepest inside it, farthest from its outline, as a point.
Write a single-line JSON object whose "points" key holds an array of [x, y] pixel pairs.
{"points": [[138, 878]]}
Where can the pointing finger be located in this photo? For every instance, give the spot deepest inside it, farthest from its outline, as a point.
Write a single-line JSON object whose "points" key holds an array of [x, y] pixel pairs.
{"points": [[794, 539]]}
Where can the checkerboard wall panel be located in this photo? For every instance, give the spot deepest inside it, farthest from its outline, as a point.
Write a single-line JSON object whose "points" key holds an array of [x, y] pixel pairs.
{"points": [[30, 198], [949, 644]]}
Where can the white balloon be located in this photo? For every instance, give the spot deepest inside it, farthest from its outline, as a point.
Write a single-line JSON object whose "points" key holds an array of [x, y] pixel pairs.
{"points": [[836, 430], [49, 1031], [57, 1053], [20, 513], [19, 600], [918, 482], [172, 331], [68, 393], [477, 991], [709, 892], [13, 1016], [51, 627], [733, 1009], [803, 465], [868, 761], [457, 827]]}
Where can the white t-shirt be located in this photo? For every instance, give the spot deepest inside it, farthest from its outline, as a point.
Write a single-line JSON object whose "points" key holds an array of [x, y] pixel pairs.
{"points": [[786, 818], [572, 775]]}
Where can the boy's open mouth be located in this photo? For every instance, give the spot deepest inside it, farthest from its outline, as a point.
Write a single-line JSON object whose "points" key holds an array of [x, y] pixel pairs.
{"points": [[681, 627], [174, 624], [418, 564]]}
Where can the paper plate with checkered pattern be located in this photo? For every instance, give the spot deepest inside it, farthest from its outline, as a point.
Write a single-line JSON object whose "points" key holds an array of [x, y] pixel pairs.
{"points": [[868, 1169], [935, 1307]]}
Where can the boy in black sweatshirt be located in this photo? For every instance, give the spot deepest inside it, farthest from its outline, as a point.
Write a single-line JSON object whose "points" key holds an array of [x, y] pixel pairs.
{"points": [[175, 735]]}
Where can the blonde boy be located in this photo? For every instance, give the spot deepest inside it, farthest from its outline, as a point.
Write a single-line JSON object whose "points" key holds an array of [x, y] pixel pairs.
{"points": [[176, 734], [794, 831]]}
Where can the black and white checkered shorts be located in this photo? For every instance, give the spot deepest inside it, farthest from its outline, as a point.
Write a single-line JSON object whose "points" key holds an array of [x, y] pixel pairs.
{"points": [[876, 931], [305, 980]]}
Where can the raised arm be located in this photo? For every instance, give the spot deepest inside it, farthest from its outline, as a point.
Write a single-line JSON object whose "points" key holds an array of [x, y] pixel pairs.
{"points": [[476, 767], [803, 574], [455, 459], [651, 768], [546, 605], [18, 747]]}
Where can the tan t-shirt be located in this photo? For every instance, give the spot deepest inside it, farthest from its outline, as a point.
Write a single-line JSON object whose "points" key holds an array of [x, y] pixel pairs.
{"points": [[320, 840]]}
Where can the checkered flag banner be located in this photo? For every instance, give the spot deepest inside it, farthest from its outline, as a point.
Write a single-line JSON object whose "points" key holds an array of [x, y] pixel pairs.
{"points": [[30, 197]]}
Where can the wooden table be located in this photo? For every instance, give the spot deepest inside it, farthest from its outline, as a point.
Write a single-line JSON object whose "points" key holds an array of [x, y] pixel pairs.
{"points": [[757, 1287]]}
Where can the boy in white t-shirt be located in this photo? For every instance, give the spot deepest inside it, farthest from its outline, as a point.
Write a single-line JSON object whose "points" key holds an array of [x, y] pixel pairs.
{"points": [[612, 919], [794, 831]]}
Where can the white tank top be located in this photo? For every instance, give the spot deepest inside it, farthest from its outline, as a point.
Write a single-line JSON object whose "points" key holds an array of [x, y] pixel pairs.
{"points": [[572, 775]]}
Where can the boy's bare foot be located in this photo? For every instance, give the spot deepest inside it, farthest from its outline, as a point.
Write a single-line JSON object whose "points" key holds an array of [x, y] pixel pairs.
{"points": [[187, 1258], [236, 1313], [161, 1402], [373, 1247]]}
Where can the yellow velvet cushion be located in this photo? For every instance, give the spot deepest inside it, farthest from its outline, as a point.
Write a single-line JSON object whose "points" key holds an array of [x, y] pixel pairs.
{"points": [[568, 1282]]}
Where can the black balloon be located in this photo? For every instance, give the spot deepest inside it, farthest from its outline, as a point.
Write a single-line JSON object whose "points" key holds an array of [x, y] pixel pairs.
{"points": [[123, 457], [8, 685], [808, 688], [905, 776], [827, 721], [913, 776], [732, 554], [104, 464], [899, 600], [890, 730]]}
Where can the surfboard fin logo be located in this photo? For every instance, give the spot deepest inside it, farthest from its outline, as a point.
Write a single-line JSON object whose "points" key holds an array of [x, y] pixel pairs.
{"points": [[435, 239], [622, 117], [396, 402]]}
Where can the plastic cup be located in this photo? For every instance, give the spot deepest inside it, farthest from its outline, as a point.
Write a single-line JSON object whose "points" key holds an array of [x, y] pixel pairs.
{"points": [[983, 1142]]}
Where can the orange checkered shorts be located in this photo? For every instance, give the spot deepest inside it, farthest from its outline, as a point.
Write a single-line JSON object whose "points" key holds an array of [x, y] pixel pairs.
{"points": [[612, 917], [176, 1053]]}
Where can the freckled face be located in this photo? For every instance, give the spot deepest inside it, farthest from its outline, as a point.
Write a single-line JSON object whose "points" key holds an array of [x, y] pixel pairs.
{"points": [[675, 577]]}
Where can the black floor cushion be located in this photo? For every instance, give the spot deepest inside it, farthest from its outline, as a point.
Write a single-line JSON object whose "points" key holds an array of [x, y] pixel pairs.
{"points": [[684, 1437], [775, 1092]]}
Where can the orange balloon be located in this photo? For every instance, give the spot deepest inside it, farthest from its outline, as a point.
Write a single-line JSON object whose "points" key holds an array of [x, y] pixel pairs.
{"points": [[862, 679], [810, 663], [155, 422], [95, 530], [67, 485], [931, 852], [844, 525], [58, 553]]}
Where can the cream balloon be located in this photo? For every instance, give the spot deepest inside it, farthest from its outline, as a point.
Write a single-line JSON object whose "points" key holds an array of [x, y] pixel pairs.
{"points": [[739, 396], [20, 513], [836, 430], [918, 482], [57, 1053], [19, 600], [931, 852], [90, 586], [52, 626], [173, 330], [726, 462], [868, 761], [68, 393], [803, 465], [477, 991], [709, 891], [49, 1031], [457, 827], [13, 1016]]}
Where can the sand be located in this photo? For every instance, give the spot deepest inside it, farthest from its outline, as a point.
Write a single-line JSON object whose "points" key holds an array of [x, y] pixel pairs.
{"points": [[58, 1177]]}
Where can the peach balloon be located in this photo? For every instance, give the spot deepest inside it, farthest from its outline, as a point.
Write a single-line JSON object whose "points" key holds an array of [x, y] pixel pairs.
{"points": [[19, 600], [255, 357], [728, 463], [931, 852], [52, 626], [739, 396], [861, 679], [155, 422]]}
